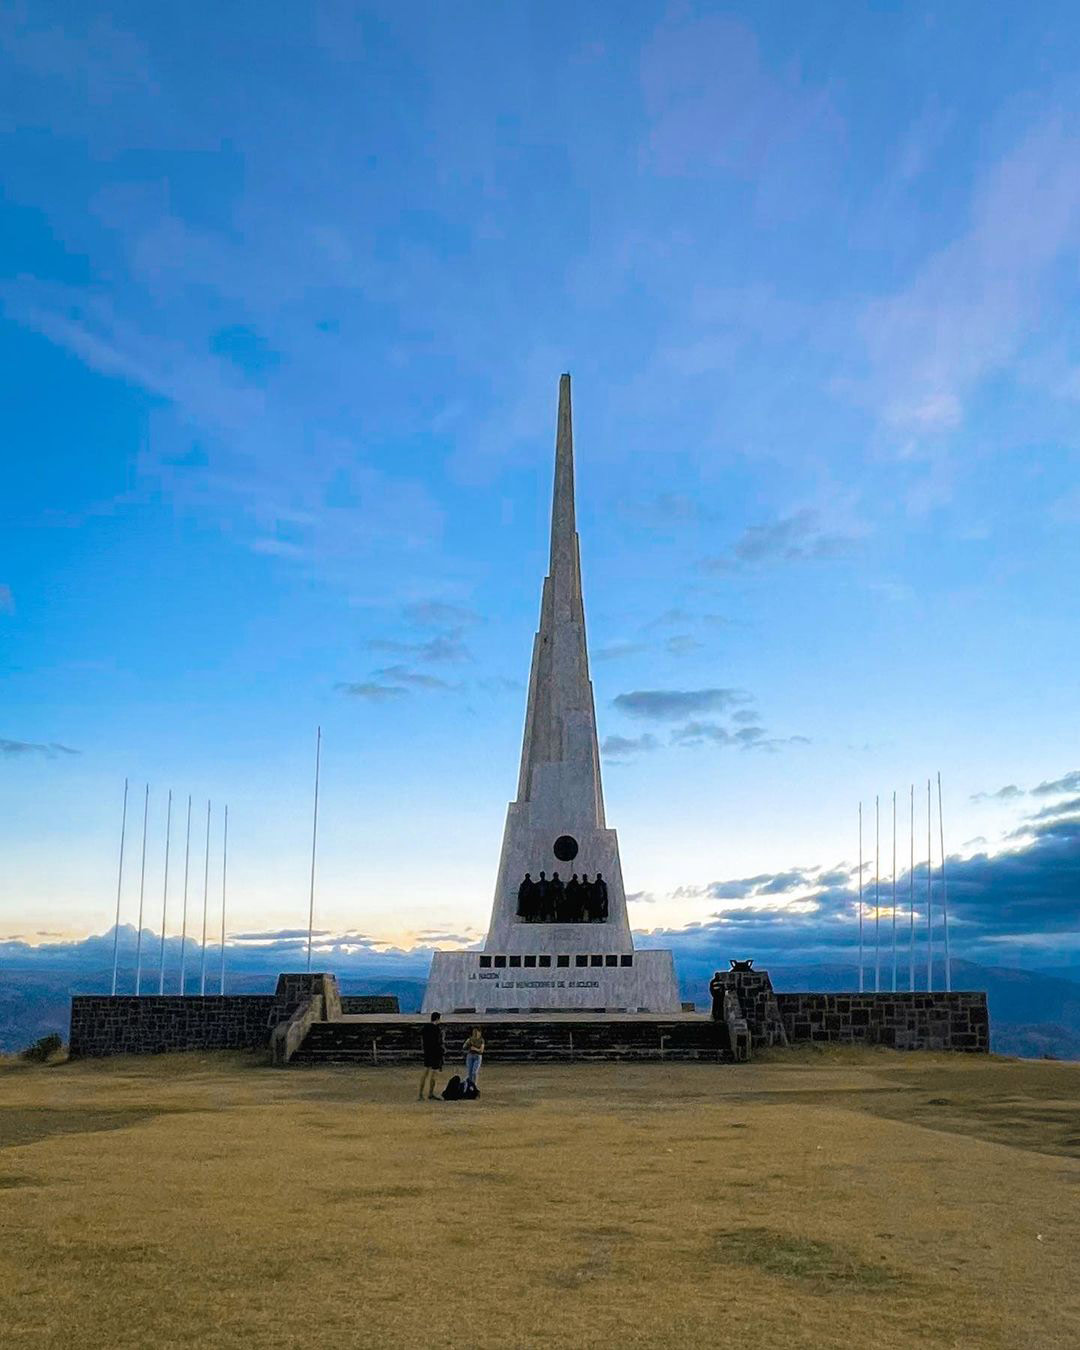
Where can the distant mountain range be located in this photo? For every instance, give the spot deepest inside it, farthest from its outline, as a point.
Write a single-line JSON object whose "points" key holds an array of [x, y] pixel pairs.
{"points": [[34, 1003], [1032, 1013]]}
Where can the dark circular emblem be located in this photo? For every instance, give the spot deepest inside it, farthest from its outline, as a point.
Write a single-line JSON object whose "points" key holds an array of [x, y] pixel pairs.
{"points": [[565, 848]]}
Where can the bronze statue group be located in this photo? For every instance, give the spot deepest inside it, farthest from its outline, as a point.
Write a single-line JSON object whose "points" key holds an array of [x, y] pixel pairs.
{"points": [[549, 900]]}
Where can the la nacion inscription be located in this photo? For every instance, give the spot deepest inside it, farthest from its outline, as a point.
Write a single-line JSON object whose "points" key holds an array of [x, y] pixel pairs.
{"points": [[536, 984]]}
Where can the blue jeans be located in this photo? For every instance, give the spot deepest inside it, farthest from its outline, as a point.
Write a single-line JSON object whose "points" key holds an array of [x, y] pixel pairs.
{"points": [[472, 1066]]}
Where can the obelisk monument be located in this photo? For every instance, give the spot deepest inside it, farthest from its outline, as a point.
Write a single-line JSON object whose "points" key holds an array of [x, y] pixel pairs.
{"points": [[559, 937]]}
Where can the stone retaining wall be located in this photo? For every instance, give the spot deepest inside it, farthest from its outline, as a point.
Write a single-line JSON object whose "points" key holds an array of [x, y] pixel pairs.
{"points": [[153, 1024], [935, 1021]]}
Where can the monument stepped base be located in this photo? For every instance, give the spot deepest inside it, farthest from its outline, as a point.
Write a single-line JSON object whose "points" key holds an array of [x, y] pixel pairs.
{"points": [[573, 1038], [309, 1020]]}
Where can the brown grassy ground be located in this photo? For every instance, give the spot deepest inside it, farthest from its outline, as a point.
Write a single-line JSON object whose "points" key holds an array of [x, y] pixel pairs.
{"points": [[861, 1198]]}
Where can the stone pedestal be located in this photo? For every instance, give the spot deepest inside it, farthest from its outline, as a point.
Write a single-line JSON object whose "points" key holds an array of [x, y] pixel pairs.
{"points": [[487, 983]]}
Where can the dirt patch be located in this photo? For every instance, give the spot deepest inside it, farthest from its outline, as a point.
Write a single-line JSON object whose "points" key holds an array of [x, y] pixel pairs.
{"points": [[346, 1193], [819, 1265], [595, 1262], [490, 1178]]}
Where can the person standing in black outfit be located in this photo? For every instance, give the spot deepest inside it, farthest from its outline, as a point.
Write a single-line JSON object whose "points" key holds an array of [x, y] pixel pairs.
{"points": [[434, 1053]]}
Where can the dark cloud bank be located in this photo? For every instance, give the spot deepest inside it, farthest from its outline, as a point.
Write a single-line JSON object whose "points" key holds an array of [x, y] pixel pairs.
{"points": [[672, 704], [22, 749], [800, 537], [742, 729]]}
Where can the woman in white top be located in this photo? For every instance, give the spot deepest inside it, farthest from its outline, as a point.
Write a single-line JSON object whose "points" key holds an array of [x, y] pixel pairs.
{"points": [[474, 1052]]}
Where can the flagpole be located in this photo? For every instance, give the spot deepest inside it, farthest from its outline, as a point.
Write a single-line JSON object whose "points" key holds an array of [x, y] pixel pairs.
{"points": [[224, 864], [860, 904], [929, 901], [142, 889], [183, 926], [894, 892], [876, 895], [165, 895], [205, 897], [119, 880], [314, 834], [944, 900], [911, 897]]}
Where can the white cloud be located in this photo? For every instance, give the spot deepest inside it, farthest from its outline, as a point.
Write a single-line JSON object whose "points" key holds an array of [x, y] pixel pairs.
{"points": [[970, 308], [713, 104], [267, 462]]}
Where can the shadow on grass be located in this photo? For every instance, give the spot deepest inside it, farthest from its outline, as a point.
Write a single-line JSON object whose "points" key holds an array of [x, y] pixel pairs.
{"points": [[30, 1124]]}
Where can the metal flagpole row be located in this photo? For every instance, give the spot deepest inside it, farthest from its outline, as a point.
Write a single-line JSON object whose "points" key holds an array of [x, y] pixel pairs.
{"points": [[183, 922], [224, 887], [912, 936], [165, 895], [119, 883]]}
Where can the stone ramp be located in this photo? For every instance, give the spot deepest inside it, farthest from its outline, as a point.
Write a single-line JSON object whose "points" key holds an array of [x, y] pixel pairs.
{"points": [[390, 1040]]}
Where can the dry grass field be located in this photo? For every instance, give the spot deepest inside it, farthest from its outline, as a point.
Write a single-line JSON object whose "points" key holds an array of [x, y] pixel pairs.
{"points": [[812, 1200]]}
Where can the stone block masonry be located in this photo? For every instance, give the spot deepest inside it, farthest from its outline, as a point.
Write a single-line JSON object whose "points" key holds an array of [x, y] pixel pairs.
{"points": [[152, 1024], [125, 1025], [755, 1001], [919, 1021], [912, 1021]]}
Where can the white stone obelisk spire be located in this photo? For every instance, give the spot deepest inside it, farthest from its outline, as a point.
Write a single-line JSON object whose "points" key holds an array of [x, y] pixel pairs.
{"points": [[560, 721], [559, 791], [565, 953]]}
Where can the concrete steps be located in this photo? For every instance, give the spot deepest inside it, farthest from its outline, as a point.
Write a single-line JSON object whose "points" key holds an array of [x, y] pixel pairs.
{"points": [[386, 1042]]}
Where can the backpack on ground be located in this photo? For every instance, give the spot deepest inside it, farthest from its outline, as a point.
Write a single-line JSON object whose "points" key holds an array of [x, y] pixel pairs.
{"points": [[454, 1090], [470, 1091]]}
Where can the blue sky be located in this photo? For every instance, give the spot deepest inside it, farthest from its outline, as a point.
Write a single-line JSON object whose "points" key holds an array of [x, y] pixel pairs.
{"points": [[286, 292]]}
